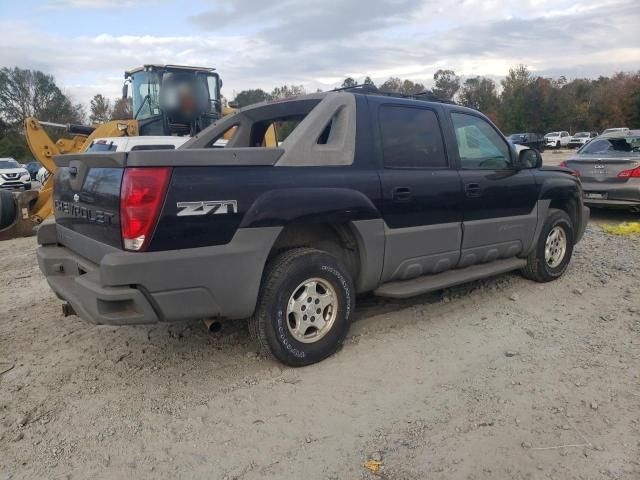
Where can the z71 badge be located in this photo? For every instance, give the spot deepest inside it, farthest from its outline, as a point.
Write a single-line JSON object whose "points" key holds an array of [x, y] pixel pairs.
{"points": [[214, 207]]}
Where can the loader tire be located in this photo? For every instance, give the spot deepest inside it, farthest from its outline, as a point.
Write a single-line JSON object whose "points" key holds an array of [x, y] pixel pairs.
{"points": [[8, 209]]}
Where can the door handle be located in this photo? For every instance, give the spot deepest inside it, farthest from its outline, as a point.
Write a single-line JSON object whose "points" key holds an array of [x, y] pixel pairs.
{"points": [[472, 190], [401, 194]]}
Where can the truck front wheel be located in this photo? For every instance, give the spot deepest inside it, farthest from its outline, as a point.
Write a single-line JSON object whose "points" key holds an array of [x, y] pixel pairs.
{"points": [[305, 307], [551, 255]]}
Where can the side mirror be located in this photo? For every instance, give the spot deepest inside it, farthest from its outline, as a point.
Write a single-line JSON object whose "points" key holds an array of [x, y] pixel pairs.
{"points": [[125, 90], [529, 158]]}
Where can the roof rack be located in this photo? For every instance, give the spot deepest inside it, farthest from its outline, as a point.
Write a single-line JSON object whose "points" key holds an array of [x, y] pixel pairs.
{"points": [[426, 95]]}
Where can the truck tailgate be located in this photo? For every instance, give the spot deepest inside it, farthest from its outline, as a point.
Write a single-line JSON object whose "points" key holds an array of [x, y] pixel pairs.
{"points": [[86, 197]]}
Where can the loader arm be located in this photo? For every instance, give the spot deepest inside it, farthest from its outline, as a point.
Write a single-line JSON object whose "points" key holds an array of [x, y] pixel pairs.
{"points": [[44, 149]]}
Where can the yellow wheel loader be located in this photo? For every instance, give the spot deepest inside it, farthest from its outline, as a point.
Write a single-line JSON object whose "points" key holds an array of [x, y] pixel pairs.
{"points": [[166, 100]]}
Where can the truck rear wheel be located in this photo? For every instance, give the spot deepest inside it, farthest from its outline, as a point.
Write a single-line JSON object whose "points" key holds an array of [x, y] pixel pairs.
{"points": [[8, 209], [551, 255], [305, 307]]}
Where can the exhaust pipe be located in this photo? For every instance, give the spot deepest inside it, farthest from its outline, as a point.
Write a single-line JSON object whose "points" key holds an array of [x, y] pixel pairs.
{"points": [[67, 310], [213, 325]]}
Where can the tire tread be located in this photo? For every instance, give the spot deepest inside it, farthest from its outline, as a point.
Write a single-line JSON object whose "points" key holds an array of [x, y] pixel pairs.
{"points": [[277, 267]]}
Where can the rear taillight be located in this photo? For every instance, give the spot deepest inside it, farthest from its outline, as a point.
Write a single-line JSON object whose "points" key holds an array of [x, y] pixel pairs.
{"points": [[633, 173], [141, 198], [574, 172]]}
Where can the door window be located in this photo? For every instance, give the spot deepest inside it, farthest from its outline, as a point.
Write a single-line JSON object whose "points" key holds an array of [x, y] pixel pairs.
{"points": [[479, 145], [411, 138]]}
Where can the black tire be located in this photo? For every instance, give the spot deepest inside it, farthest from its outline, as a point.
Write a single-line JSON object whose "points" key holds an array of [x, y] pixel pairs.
{"points": [[270, 324], [558, 145], [8, 209], [538, 269]]}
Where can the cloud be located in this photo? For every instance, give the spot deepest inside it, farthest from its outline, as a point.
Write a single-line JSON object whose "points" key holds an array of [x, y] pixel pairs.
{"points": [[93, 4], [256, 44], [301, 22]]}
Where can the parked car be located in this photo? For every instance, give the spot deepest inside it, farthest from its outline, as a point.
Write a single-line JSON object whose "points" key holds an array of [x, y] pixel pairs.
{"points": [[581, 138], [368, 193], [615, 130], [13, 175], [609, 168], [557, 139], [129, 144], [531, 140], [42, 176], [32, 168]]}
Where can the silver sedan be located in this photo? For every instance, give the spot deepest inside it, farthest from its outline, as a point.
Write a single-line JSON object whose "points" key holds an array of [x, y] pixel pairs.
{"points": [[609, 168]]}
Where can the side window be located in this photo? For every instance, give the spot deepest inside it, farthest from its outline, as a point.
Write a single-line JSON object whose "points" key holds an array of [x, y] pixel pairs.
{"points": [[479, 145], [411, 138]]}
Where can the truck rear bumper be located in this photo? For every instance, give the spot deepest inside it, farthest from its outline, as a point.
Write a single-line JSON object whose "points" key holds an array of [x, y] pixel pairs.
{"points": [[128, 288]]}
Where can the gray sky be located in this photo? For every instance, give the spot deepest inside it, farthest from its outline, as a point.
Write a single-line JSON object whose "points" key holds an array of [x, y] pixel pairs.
{"points": [[87, 44]]}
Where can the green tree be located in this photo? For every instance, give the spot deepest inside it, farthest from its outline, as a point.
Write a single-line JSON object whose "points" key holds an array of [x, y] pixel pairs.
{"points": [[368, 81], [479, 93], [392, 85], [249, 97], [12, 143], [405, 87], [287, 91], [100, 109], [349, 83], [31, 93], [513, 100], [122, 109], [446, 84]]}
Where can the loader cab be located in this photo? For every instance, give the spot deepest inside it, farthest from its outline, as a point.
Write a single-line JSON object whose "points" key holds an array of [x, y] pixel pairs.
{"points": [[173, 100]]}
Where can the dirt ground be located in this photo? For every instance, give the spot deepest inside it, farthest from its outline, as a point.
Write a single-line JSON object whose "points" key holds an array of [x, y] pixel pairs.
{"points": [[499, 379]]}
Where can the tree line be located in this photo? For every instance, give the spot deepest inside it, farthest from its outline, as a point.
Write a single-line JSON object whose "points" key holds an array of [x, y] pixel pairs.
{"points": [[521, 102]]}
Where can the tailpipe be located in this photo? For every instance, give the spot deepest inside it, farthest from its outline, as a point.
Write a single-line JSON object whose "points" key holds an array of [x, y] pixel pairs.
{"points": [[67, 310], [213, 325]]}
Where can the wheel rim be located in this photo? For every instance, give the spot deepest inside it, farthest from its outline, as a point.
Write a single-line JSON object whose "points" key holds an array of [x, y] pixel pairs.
{"points": [[312, 310], [555, 247]]}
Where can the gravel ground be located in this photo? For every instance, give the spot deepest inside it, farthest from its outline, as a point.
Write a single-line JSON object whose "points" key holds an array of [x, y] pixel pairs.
{"points": [[499, 379]]}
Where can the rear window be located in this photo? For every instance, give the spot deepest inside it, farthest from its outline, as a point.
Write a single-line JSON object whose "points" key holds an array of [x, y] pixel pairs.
{"points": [[267, 125], [614, 146], [411, 138], [102, 147]]}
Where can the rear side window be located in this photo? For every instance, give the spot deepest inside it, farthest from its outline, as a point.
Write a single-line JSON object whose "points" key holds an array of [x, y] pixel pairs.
{"points": [[411, 138]]}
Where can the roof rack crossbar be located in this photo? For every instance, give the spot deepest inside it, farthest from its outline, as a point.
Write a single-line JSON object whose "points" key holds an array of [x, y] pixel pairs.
{"points": [[427, 95]]}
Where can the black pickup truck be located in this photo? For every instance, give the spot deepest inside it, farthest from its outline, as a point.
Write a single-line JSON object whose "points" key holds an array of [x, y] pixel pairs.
{"points": [[367, 193]]}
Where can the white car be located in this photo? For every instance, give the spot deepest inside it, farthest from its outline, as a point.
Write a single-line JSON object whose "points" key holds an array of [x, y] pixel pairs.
{"points": [[615, 130], [42, 176], [581, 138], [557, 139], [14, 175], [131, 144]]}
